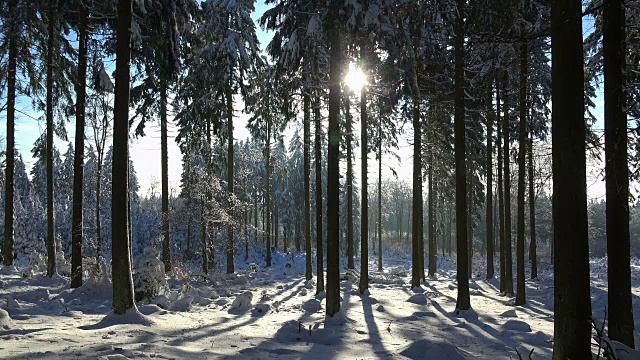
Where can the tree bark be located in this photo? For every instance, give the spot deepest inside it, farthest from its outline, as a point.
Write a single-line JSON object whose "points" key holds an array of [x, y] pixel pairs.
{"points": [[432, 241], [11, 113], [318, 189], [522, 140], [364, 198], [78, 165], [617, 175], [51, 236], [121, 263], [166, 249], [417, 272], [572, 305], [350, 254], [380, 195], [533, 256], [307, 186], [508, 267], [266, 217], [230, 179], [463, 301], [500, 193], [333, 175], [489, 197]]}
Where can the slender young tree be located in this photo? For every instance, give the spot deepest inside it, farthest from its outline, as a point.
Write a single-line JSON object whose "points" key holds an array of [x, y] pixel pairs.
{"points": [[78, 166], [121, 263], [617, 175], [463, 301], [522, 139], [501, 233], [506, 251], [572, 298], [533, 256], [489, 197], [349, 141], [307, 185]]}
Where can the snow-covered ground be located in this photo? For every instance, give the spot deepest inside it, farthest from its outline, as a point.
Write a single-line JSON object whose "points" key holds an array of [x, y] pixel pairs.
{"points": [[274, 313]]}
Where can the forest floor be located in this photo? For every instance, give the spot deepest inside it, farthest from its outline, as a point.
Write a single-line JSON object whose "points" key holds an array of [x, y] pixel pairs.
{"points": [[198, 321]]}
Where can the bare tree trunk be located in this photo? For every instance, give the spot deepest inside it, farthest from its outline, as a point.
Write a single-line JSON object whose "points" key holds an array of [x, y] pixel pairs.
{"points": [[307, 185], [166, 248], [10, 118], [364, 200], [508, 268], [521, 288], [230, 179], [572, 298], [501, 245], [463, 301], [121, 262], [489, 197], [333, 173], [51, 236], [417, 258], [380, 195], [533, 249], [78, 165], [617, 175]]}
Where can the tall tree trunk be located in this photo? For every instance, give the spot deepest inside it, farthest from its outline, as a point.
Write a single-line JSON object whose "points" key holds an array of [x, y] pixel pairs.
{"points": [[230, 190], [417, 272], [318, 189], [432, 241], [246, 235], [617, 175], [166, 249], [522, 140], [489, 214], [463, 301], [380, 194], [508, 267], [470, 219], [500, 192], [349, 123], [78, 173], [51, 236], [121, 262], [11, 113], [98, 209], [433, 191], [364, 198], [266, 218], [533, 255], [572, 298], [307, 185], [333, 174]]}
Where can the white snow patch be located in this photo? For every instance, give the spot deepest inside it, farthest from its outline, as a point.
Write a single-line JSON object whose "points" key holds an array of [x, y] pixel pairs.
{"points": [[5, 320], [426, 349], [243, 301], [419, 299]]}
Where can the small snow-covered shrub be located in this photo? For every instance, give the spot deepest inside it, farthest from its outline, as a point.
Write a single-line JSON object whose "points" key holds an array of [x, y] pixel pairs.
{"points": [[5, 320], [253, 267], [242, 301], [62, 265], [37, 264], [399, 271], [149, 278]]}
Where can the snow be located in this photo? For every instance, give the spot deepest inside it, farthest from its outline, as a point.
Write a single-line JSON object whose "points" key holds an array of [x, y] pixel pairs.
{"points": [[277, 314]]}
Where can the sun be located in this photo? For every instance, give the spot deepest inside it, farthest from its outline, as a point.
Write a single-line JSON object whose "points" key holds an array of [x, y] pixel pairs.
{"points": [[355, 79]]}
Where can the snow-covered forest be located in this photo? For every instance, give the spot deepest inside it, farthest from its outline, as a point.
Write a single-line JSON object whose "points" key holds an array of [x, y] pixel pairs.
{"points": [[301, 240]]}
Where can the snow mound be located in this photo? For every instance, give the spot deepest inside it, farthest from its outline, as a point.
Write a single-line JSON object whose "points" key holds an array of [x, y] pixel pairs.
{"points": [[425, 349], [240, 280], [12, 303], [309, 284], [351, 275], [293, 331], [115, 357], [261, 308], [517, 325], [130, 317], [381, 308], [5, 320], [399, 271], [243, 301], [312, 305], [183, 304], [8, 270], [509, 314], [161, 301], [149, 309], [37, 295], [419, 299]]}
